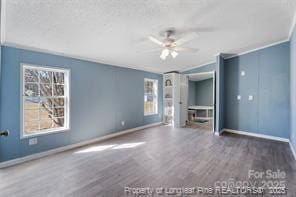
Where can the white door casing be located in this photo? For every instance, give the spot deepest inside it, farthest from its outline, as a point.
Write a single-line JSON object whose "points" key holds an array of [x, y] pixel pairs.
{"points": [[183, 99]]}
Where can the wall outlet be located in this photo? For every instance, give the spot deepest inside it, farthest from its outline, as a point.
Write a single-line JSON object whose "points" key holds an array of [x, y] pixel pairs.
{"points": [[239, 97], [122, 123], [251, 97], [33, 141], [243, 73]]}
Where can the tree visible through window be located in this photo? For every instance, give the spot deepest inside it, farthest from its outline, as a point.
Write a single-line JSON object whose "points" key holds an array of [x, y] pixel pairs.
{"points": [[45, 100], [150, 96]]}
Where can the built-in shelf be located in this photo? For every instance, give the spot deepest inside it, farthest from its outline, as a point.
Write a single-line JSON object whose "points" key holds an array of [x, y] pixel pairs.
{"points": [[171, 98]]}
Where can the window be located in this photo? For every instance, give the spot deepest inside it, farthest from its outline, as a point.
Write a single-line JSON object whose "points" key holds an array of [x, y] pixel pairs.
{"points": [[45, 100], [150, 96]]}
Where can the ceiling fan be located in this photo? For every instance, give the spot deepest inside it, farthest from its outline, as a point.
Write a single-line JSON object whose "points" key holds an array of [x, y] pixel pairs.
{"points": [[171, 46]]}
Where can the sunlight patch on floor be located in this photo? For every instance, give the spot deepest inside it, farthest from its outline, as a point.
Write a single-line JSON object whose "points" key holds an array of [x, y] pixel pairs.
{"points": [[128, 145], [109, 147]]}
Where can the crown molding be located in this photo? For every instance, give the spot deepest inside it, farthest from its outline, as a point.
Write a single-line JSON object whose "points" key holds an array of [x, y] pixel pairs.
{"points": [[239, 54], [194, 67], [258, 48], [34, 49]]}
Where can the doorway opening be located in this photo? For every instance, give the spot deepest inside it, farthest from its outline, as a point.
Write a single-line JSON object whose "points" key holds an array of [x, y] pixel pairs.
{"points": [[201, 101]]}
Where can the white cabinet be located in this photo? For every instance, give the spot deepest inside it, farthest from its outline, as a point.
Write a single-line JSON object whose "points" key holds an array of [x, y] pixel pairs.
{"points": [[171, 99]]}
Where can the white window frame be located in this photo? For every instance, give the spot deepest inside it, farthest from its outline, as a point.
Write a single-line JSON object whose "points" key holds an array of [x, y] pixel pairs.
{"points": [[155, 82], [66, 102]]}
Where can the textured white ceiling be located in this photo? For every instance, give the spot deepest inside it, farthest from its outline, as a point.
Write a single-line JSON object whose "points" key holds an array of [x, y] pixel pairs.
{"points": [[114, 31]]}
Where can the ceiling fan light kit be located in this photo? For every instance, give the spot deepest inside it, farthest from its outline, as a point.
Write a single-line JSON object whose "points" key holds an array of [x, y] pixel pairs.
{"points": [[174, 54], [171, 46], [166, 52]]}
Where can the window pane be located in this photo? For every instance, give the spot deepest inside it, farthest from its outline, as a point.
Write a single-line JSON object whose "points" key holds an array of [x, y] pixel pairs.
{"points": [[31, 75], [45, 124], [58, 102], [58, 112], [58, 122], [45, 90], [45, 76], [31, 127], [46, 102], [150, 96], [31, 103], [58, 90], [45, 112], [31, 114], [31, 89], [58, 77]]}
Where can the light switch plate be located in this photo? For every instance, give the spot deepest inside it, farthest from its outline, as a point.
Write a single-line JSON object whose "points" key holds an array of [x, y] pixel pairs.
{"points": [[251, 97], [243, 73], [239, 97], [122, 123], [33, 141]]}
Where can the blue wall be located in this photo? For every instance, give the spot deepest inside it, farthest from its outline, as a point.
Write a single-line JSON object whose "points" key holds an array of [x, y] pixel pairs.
{"points": [[101, 96], [267, 78], [201, 92], [293, 88], [267, 75], [191, 93]]}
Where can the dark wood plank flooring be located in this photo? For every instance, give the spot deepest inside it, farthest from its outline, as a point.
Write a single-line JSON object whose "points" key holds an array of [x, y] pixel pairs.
{"points": [[155, 157]]}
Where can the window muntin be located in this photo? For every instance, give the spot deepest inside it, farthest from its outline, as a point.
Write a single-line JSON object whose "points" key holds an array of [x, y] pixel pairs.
{"points": [[45, 100], [150, 96]]}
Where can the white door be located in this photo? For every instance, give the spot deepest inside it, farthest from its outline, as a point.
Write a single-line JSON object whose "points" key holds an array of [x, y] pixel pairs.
{"points": [[183, 99]]}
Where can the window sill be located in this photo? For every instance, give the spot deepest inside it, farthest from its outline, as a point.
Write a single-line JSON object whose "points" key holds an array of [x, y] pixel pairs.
{"points": [[48, 132], [151, 114]]}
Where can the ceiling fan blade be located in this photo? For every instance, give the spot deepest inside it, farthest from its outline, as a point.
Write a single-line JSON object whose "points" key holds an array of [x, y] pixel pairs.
{"points": [[186, 49], [186, 38], [155, 40], [150, 50]]}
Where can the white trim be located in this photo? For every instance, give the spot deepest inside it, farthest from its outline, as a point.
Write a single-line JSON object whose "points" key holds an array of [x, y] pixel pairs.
{"points": [[200, 73], [2, 20], [256, 135], [214, 101], [72, 146], [292, 28], [292, 149], [67, 82], [258, 48], [242, 53], [194, 67], [213, 73], [93, 60]]}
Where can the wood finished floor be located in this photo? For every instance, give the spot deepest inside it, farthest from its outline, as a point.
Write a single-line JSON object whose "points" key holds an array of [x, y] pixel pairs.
{"points": [[155, 157]]}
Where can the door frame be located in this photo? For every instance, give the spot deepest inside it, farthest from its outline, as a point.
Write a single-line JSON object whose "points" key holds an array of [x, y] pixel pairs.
{"points": [[213, 73]]}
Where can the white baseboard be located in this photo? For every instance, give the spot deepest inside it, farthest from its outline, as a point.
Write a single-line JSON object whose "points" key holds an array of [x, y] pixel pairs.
{"points": [[292, 149], [72, 146], [256, 135]]}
